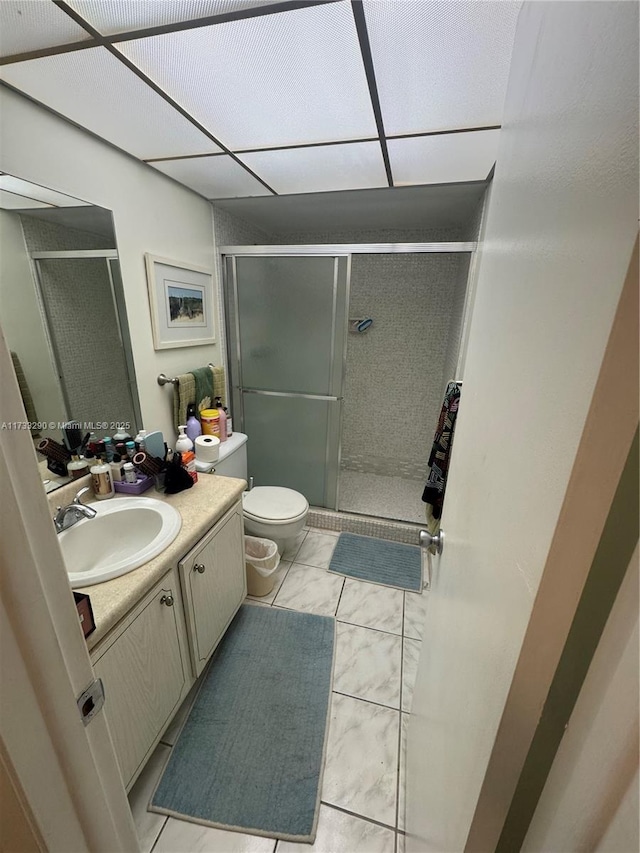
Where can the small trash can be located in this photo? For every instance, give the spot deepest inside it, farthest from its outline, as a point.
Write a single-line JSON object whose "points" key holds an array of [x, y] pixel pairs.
{"points": [[261, 559]]}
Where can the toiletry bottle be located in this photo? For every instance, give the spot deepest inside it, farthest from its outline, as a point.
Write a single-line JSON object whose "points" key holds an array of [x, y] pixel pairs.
{"points": [[108, 448], [223, 419], [121, 449], [210, 420], [92, 442], [102, 481], [121, 435], [116, 468], [194, 429], [229, 422], [184, 442], [140, 439], [130, 475], [131, 449], [77, 467]]}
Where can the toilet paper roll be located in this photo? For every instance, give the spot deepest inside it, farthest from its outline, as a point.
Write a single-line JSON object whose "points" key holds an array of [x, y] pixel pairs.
{"points": [[207, 448]]}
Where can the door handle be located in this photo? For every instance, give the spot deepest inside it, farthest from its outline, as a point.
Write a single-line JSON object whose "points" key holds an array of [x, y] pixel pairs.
{"points": [[435, 544], [428, 543]]}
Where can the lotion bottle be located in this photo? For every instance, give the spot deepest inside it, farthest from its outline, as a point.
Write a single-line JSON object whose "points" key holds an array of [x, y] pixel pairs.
{"points": [[102, 481], [193, 428], [223, 419]]}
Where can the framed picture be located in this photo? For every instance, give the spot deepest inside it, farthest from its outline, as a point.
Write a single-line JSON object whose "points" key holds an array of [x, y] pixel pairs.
{"points": [[181, 303]]}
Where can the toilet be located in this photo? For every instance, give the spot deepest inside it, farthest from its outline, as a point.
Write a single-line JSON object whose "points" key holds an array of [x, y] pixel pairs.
{"points": [[271, 512]]}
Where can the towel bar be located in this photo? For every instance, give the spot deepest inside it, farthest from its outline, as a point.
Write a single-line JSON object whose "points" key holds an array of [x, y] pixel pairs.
{"points": [[164, 380]]}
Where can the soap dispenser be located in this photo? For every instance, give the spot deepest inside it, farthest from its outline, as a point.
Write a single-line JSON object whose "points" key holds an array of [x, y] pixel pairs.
{"points": [[183, 443]]}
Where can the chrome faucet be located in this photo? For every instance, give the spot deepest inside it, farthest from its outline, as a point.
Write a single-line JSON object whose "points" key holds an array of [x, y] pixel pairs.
{"points": [[67, 516]]}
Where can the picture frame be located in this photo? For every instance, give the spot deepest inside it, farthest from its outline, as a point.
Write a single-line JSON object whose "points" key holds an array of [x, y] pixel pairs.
{"points": [[180, 302]]}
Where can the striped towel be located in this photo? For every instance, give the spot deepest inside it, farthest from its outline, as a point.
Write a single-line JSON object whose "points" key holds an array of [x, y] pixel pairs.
{"points": [[186, 392]]}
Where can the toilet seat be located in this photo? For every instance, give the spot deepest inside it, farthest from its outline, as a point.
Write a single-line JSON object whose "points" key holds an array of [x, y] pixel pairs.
{"points": [[274, 505]]}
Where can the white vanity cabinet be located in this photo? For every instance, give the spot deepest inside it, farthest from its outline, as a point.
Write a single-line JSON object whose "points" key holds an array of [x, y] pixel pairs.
{"points": [[144, 666], [214, 585]]}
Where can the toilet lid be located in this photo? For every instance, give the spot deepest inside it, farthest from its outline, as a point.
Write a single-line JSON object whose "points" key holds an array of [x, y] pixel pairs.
{"points": [[274, 503]]}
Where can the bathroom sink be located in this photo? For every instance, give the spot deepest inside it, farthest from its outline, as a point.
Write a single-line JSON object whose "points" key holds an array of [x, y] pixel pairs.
{"points": [[125, 533]]}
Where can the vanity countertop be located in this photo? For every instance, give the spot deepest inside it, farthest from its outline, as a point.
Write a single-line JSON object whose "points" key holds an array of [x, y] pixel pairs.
{"points": [[200, 508]]}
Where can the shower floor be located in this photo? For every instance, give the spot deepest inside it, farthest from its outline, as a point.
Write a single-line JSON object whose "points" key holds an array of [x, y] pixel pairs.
{"points": [[381, 496]]}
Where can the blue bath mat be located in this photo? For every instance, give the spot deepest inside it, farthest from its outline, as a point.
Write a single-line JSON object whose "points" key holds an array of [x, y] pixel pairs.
{"points": [[378, 561], [250, 755]]}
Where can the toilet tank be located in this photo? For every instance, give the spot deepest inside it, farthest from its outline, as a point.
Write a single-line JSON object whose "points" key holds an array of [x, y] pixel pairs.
{"points": [[232, 461]]}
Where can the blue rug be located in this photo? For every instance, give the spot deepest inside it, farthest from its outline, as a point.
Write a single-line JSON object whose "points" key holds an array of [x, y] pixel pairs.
{"points": [[378, 561], [250, 755]]}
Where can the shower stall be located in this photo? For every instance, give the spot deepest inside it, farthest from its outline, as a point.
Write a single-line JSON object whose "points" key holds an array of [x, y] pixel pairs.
{"points": [[337, 407]]}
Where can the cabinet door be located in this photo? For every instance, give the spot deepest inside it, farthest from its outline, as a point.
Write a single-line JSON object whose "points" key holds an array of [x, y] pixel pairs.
{"points": [[144, 676], [214, 581]]}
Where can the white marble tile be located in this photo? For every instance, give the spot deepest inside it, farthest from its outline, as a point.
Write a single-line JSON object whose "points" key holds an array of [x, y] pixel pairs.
{"points": [[342, 833], [402, 781], [148, 824], [361, 769], [400, 842], [311, 590], [367, 664], [317, 549], [171, 734], [289, 554], [415, 608], [410, 655], [371, 606], [180, 836], [280, 575]]}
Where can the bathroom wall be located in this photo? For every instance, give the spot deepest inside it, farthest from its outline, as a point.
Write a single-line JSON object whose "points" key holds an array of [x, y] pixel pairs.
{"points": [[152, 214]]}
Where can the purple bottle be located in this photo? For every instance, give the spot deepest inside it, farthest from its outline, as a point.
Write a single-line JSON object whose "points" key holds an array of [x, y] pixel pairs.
{"points": [[194, 428]]}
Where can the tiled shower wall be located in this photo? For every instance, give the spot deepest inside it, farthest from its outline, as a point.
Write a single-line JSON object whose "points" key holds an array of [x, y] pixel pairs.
{"points": [[82, 323], [396, 370]]}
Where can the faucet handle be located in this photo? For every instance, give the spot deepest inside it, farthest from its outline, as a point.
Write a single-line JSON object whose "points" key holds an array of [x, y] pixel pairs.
{"points": [[78, 497]]}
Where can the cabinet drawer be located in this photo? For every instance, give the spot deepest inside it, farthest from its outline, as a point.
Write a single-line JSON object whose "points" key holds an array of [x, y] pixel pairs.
{"points": [[214, 585]]}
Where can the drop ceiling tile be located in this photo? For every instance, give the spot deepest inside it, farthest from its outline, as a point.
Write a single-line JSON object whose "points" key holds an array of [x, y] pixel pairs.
{"points": [[282, 79], [25, 25], [94, 89], [441, 65], [213, 177], [10, 201], [450, 158], [332, 167], [116, 16], [35, 191]]}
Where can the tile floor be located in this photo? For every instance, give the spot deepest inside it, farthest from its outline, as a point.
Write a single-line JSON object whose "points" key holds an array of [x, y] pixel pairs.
{"points": [[378, 641], [381, 496]]}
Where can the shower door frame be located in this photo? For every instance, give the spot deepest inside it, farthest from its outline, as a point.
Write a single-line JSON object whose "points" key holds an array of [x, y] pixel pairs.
{"points": [[334, 250]]}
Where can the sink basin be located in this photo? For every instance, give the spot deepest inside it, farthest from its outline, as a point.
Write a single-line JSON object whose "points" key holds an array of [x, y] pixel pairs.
{"points": [[125, 533]]}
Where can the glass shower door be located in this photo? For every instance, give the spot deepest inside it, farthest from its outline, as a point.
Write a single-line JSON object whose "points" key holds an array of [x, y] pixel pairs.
{"points": [[287, 321]]}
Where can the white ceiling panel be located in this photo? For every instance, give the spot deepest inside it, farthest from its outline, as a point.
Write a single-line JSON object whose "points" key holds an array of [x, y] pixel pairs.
{"points": [[35, 191], [331, 167], [283, 79], [116, 16], [94, 89], [10, 201], [213, 177], [450, 158], [441, 65], [27, 25]]}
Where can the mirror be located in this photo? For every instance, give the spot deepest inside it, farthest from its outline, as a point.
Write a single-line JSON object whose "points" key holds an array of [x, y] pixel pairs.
{"points": [[63, 315]]}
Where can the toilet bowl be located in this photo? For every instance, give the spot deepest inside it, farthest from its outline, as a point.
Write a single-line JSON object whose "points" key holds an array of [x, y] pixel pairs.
{"points": [[270, 512]]}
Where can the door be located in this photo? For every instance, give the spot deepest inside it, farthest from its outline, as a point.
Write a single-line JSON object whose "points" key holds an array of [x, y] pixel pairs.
{"points": [[522, 489], [287, 323]]}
